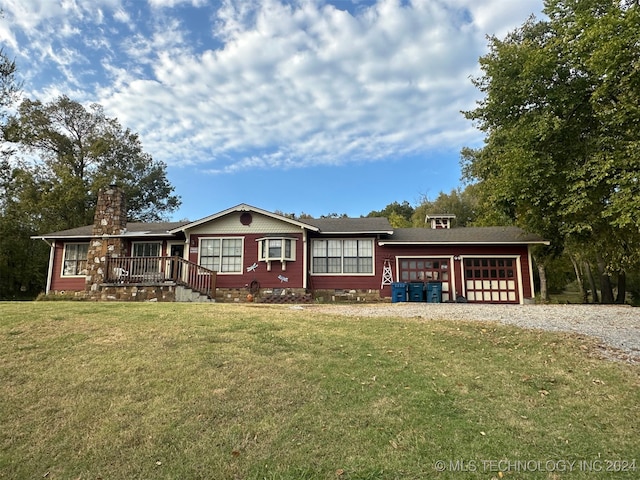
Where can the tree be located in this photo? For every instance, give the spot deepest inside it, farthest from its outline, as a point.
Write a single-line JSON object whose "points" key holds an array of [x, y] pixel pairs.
{"points": [[461, 203], [77, 151], [82, 150], [398, 214], [561, 154]]}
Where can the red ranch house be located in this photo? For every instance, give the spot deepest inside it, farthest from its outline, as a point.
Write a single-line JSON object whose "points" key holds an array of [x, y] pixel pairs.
{"points": [[245, 253]]}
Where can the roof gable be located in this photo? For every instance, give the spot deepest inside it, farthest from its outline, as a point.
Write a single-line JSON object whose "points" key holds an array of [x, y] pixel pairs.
{"points": [[238, 210]]}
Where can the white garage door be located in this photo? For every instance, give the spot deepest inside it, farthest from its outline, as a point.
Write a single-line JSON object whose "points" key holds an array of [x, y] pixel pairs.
{"points": [[491, 280]]}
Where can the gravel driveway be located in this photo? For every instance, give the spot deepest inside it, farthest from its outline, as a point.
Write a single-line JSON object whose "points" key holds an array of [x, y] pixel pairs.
{"points": [[616, 326]]}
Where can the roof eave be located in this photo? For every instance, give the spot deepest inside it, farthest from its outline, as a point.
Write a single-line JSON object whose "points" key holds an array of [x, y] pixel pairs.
{"points": [[454, 242], [358, 232]]}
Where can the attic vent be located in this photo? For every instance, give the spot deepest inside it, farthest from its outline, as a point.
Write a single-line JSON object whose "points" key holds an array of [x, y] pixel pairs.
{"points": [[246, 218]]}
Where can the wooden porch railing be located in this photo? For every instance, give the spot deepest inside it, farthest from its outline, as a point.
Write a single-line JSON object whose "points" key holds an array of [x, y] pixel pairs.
{"points": [[159, 270]]}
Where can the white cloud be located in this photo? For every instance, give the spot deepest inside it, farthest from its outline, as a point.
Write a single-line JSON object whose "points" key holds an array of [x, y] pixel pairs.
{"points": [[282, 84]]}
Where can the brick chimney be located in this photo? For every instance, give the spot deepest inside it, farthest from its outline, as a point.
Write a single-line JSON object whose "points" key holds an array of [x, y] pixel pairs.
{"points": [[110, 219]]}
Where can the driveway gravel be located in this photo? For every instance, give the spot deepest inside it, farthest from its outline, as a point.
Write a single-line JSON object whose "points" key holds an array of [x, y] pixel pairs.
{"points": [[616, 326]]}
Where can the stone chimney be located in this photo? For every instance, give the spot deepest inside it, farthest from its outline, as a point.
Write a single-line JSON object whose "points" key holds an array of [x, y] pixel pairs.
{"points": [[110, 219]]}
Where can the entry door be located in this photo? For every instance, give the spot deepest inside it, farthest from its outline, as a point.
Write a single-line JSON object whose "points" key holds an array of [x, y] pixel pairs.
{"points": [[177, 250]]}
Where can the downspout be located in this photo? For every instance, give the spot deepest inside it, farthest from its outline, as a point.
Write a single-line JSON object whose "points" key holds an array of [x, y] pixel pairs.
{"points": [[305, 254], [52, 249], [533, 286]]}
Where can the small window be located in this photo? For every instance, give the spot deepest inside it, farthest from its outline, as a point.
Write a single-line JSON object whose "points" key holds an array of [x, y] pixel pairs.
{"points": [[75, 259], [146, 249]]}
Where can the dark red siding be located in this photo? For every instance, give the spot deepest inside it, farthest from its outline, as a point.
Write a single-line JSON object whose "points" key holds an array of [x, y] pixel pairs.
{"points": [[294, 272], [59, 283]]}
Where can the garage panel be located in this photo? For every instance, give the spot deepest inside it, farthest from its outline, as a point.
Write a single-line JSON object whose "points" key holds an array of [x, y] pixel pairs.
{"points": [[491, 280]]}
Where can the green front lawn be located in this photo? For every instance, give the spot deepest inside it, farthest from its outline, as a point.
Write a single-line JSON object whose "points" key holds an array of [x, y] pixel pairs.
{"points": [[190, 391]]}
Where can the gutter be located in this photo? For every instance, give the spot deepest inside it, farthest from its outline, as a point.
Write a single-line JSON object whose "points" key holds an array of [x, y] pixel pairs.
{"points": [[531, 242]]}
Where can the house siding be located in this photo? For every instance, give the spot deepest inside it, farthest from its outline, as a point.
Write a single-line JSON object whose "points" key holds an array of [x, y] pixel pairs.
{"points": [[408, 252], [60, 283], [293, 271], [450, 251]]}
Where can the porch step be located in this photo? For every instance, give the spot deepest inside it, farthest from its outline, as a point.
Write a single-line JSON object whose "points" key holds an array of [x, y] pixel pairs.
{"points": [[185, 294]]}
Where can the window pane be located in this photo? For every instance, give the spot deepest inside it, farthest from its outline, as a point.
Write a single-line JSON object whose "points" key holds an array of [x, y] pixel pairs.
{"points": [[350, 265], [320, 265], [365, 248], [275, 248], [333, 265], [319, 248], [146, 249], [366, 265], [350, 248], [334, 248]]}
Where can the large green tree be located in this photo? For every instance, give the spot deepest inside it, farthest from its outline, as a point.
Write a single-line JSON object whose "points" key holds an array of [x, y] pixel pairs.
{"points": [[561, 155], [80, 150], [62, 154]]}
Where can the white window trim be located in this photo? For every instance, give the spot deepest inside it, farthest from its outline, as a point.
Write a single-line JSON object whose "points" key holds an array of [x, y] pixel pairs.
{"points": [[341, 273], [64, 256], [240, 272]]}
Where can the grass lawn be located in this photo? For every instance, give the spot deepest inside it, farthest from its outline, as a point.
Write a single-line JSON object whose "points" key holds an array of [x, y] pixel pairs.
{"points": [[193, 391]]}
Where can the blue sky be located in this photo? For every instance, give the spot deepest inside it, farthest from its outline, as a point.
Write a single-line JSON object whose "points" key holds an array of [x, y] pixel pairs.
{"points": [[295, 106]]}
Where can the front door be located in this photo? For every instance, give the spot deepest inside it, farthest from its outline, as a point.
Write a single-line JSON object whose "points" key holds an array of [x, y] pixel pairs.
{"points": [[176, 250]]}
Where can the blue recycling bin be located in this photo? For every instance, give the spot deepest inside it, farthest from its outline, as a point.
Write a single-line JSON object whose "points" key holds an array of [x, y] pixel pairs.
{"points": [[416, 292], [434, 292], [398, 292]]}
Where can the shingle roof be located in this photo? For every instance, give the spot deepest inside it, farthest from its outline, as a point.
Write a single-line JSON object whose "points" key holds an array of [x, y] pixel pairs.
{"points": [[363, 225], [133, 228], [473, 235], [351, 225]]}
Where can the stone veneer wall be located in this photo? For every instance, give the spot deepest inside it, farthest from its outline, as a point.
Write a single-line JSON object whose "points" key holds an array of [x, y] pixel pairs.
{"points": [[137, 293], [110, 219]]}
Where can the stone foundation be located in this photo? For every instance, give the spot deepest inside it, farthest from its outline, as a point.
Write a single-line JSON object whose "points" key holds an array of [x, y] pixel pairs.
{"points": [[298, 295], [137, 293], [349, 296], [168, 293]]}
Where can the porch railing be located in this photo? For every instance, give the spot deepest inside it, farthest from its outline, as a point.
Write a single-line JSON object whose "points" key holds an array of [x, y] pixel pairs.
{"points": [[160, 270]]}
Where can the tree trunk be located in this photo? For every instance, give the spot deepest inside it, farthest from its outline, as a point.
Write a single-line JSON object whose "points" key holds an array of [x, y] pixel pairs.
{"points": [[592, 283], [580, 280], [622, 288], [606, 292], [542, 273]]}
